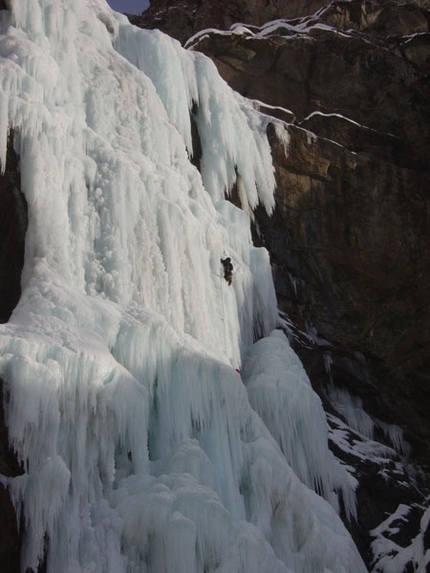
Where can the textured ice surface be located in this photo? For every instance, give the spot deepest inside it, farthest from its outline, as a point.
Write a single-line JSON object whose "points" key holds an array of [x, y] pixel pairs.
{"points": [[280, 392], [141, 449]]}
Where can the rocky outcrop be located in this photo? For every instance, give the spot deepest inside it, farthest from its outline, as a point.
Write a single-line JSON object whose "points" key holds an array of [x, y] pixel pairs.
{"points": [[392, 494], [350, 248], [313, 67], [183, 19]]}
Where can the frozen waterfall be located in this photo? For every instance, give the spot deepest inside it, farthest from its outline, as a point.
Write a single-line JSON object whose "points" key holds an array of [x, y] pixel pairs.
{"points": [[144, 450]]}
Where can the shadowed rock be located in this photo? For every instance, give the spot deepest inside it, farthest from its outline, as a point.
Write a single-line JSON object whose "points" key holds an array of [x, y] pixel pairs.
{"points": [[183, 19], [13, 225], [354, 231]]}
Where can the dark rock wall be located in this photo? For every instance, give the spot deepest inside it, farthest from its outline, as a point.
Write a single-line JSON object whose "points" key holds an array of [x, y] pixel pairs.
{"points": [[184, 18], [354, 233], [329, 72], [10, 539], [13, 225]]}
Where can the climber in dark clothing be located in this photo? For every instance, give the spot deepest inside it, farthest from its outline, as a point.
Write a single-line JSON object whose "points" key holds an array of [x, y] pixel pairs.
{"points": [[228, 269]]}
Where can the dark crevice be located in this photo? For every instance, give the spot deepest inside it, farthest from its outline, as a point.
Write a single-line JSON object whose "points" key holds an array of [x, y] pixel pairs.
{"points": [[13, 226], [10, 541], [195, 135]]}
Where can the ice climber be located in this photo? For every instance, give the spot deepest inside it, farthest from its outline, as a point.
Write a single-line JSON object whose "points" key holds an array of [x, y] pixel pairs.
{"points": [[228, 270]]}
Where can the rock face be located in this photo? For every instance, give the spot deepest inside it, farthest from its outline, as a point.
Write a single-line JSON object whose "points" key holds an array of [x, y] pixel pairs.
{"points": [[350, 244], [183, 19], [347, 85], [330, 73]]}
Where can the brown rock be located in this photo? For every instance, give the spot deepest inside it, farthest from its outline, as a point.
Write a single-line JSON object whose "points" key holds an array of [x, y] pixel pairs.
{"points": [[333, 74], [355, 232], [183, 19], [378, 19]]}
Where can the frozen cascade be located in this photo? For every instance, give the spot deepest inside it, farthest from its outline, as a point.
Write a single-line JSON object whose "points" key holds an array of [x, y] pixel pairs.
{"points": [[140, 449], [280, 392]]}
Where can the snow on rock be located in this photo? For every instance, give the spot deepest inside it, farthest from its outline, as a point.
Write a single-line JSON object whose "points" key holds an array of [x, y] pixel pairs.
{"points": [[351, 409], [280, 27], [141, 451], [391, 557]]}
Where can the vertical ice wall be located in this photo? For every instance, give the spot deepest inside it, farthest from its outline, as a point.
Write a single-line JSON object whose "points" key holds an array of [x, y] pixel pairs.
{"points": [[140, 449]]}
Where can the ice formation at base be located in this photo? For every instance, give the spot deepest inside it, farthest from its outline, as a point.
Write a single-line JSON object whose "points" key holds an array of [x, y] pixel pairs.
{"points": [[142, 448]]}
